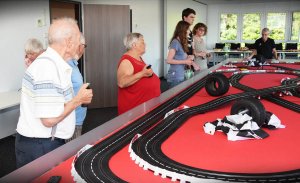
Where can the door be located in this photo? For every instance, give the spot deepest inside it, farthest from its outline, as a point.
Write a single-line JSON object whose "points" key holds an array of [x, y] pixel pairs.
{"points": [[63, 8], [104, 27]]}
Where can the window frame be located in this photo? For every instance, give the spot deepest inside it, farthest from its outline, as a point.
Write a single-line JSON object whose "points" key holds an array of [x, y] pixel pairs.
{"points": [[291, 28]]}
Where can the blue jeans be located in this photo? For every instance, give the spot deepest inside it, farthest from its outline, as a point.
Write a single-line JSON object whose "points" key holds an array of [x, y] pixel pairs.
{"points": [[28, 149], [174, 83]]}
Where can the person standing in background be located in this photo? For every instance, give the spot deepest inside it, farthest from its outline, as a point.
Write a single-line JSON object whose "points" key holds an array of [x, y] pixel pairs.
{"points": [[188, 15], [33, 48], [264, 46], [77, 82], [177, 55], [136, 80], [200, 52]]}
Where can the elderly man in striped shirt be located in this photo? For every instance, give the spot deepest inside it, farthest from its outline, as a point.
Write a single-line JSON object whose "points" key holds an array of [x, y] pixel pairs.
{"points": [[47, 105]]}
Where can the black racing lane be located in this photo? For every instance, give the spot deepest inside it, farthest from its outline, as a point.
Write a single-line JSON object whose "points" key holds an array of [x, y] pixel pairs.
{"points": [[148, 146], [93, 164]]}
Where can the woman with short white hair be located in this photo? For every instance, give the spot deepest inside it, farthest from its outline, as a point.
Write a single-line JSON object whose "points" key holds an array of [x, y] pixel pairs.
{"points": [[136, 80], [33, 48]]}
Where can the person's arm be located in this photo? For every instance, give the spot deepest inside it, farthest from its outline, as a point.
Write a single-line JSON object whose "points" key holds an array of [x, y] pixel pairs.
{"points": [[274, 51], [84, 96], [200, 54], [171, 60], [254, 52], [125, 74]]}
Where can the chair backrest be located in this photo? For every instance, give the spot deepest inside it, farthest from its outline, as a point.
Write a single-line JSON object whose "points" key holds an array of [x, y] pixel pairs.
{"points": [[220, 45], [291, 46], [235, 46], [278, 46], [249, 45]]}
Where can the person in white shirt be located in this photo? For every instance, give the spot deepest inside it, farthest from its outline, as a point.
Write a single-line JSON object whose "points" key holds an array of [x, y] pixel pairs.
{"points": [[47, 105]]}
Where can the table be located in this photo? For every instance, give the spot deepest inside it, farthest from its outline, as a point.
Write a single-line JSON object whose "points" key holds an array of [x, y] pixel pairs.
{"points": [[284, 53], [242, 54], [9, 112], [189, 145], [216, 58]]}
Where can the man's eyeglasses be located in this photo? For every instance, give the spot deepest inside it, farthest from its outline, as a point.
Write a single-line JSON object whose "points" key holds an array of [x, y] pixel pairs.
{"points": [[84, 45]]}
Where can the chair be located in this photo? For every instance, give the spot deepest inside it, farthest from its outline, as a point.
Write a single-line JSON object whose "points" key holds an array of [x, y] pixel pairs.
{"points": [[249, 45], [278, 46], [218, 56], [234, 46], [220, 45], [291, 46]]}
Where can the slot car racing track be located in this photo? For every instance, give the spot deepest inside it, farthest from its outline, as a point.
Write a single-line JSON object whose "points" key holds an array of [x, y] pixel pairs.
{"points": [[93, 164]]}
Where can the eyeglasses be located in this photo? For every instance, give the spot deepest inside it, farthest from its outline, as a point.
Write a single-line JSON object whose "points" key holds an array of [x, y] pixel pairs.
{"points": [[84, 45]]}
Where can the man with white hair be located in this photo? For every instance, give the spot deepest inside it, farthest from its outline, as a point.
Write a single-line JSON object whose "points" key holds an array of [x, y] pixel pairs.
{"points": [[47, 105], [264, 46], [77, 82]]}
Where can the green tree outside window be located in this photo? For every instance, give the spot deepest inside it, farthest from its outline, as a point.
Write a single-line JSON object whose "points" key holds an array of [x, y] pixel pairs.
{"points": [[276, 23], [251, 26], [228, 29], [295, 26]]}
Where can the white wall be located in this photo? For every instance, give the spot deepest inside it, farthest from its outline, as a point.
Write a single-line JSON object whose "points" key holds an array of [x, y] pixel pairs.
{"points": [[173, 12], [18, 20], [147, 19], [215, 10]]}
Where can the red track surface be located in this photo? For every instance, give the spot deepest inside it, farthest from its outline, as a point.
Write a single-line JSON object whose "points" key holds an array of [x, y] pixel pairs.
{"points": [[191, 146]]}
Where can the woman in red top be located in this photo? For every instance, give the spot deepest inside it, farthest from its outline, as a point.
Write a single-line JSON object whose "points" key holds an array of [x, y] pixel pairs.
{"points": [[136, 82]]}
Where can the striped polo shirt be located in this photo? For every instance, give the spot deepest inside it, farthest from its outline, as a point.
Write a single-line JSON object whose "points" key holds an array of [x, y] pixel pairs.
{"points": [[46, 87]]}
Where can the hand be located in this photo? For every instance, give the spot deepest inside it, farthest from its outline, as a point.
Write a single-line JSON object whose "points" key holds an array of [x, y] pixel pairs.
{"points": [[202, 54], [191, 57], [247, 59], [188, 62], [147, 72], [27, 61], [85, 95]]}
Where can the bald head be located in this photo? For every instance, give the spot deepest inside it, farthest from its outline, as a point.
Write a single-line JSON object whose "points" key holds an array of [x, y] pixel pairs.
{"points": [[61, 29], [64, 37]]}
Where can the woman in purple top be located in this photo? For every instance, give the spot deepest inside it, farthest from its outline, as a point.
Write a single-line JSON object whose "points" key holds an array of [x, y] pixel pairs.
{"points": [[177, 56]]}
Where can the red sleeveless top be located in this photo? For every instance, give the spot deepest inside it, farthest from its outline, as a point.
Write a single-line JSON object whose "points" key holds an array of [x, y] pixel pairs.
{"points": [[144, 89]]}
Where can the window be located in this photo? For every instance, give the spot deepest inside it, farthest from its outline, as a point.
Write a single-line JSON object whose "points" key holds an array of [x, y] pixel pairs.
{"points": [[295, 26], [276, 24], [251, 26], [228, 29]]}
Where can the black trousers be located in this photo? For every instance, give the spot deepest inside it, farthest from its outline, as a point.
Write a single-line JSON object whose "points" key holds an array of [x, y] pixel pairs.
{"points": [[28, 149]]}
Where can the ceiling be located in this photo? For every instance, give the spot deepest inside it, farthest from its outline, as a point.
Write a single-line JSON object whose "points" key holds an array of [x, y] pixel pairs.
{"points": [[240, 1]]}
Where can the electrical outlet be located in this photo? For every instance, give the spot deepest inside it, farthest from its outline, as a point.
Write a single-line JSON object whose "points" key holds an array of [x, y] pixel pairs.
{"points": [[40, 22]]}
